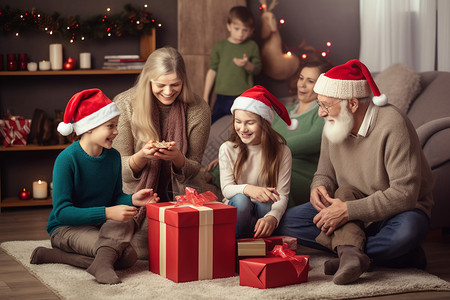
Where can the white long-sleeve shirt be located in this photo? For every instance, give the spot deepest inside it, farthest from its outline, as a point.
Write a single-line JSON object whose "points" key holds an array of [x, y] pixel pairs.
{"points": [[250, 173]]}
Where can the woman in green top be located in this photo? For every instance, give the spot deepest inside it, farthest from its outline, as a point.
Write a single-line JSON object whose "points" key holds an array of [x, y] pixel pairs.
{"points": [[305, 141]]}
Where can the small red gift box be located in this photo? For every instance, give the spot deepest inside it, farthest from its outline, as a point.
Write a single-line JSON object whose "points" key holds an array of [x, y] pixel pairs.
{"points": [[14, 131], [273, 271], [188, 243]]}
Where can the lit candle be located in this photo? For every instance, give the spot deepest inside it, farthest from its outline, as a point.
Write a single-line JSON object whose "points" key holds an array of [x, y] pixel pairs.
{"points": [[40, 189], [56, 56], [44, 65], [85, 60]]}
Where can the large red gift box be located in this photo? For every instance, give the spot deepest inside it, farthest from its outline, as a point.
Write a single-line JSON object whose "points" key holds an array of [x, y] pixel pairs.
{"points": [[14, 131], [273, 271], [187, 243]]}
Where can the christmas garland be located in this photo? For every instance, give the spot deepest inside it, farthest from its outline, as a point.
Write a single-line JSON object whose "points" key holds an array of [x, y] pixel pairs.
{"points": [[132, 20]]}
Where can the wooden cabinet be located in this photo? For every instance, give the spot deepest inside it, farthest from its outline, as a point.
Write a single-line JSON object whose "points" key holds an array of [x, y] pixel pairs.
{"points": [[17, 162]]}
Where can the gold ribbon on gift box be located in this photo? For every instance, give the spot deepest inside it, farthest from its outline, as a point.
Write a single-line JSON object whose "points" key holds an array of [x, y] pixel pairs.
{"points": [[205, 245]]}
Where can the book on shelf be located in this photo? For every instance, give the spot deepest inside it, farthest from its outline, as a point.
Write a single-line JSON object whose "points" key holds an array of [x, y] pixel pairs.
{"points": [[123, 66], [122, 56]]}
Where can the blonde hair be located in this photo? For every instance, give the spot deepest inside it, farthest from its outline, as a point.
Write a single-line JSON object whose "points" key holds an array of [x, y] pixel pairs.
{"points": [[272, 143], [162, 61]]}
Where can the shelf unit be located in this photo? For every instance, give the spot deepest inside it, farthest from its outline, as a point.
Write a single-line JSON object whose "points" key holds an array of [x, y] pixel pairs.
{"points": [[8, 201]]}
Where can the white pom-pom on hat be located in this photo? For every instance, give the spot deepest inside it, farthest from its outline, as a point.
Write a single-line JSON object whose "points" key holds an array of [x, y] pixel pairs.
{"points": [[260, 101], [350, 80], [87, 110]]}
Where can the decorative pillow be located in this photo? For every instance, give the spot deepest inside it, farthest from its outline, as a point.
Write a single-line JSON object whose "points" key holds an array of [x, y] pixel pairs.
{"points": [[400, 84]]}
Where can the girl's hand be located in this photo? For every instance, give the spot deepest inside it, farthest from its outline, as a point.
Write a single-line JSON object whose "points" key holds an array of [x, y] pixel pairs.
{"points": [[120, 213], [265, 226], [171, 153], [144, 196], [261, 194]]}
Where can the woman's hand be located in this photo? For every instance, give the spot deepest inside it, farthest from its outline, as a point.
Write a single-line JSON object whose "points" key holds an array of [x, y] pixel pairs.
{"points": [[120, 213], [265, 226], [261, 194], [171, 153], [144, 196]]}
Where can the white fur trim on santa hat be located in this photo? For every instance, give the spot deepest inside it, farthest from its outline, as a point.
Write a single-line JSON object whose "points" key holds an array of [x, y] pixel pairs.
{"points": [[380, 100], [64, 128], [342, 89], [254, 106], [97, 118]]}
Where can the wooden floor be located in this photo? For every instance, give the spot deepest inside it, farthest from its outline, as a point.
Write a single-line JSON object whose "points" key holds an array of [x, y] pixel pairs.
{"points": [[29, 224]]}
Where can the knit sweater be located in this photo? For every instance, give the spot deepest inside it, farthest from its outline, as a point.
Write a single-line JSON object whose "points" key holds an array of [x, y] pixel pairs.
{"points": [[83, 186], [232, 80], [304, 143], [387, 164], [250, 173], [198, 123]]}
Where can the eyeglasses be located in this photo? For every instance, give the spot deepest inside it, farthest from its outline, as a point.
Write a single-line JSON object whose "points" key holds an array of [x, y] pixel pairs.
{"points": [[326, 108]]}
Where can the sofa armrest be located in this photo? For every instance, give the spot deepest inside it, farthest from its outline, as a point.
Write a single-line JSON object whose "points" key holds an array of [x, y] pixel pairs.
{"points": [[434, 137]]}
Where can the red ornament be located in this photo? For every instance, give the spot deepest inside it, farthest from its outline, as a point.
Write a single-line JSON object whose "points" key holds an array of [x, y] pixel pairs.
{"points": [[24, 194], [70, 64]]}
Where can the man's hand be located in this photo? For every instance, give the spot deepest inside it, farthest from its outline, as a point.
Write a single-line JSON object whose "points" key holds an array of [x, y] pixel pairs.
{"points": [[144, 196], [261, 194], [265, 226], [332, 217], [318, 198], [120, 213]]}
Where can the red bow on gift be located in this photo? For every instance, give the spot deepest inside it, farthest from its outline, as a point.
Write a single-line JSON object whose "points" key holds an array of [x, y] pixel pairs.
{"points": [[193, 198], [284, 252]]}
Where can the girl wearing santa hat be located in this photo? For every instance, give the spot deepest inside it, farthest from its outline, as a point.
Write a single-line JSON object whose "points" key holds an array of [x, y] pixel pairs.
{"points": [[87, 223], [255, 164]]}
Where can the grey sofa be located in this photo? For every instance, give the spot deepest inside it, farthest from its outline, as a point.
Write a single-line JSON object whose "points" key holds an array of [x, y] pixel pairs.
{"points": [[426, 100]]}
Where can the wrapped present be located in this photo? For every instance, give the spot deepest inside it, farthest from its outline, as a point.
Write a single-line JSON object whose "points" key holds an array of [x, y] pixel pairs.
{"points": [[14, 131], [281, 267], [191, 242], [289, 240], [257, 246]]}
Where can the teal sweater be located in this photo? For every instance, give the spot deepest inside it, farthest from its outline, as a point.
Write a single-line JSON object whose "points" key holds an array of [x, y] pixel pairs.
{"points": [[84, 185], [304, 143]]}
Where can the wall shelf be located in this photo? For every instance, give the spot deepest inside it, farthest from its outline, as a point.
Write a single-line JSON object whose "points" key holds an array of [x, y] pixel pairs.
{"points": [[69, 72], [33, 148], [16, 202]]}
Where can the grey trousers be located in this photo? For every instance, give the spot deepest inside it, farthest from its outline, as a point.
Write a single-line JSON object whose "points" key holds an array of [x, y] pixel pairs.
{"points": [[86, 240], [351, 233]]}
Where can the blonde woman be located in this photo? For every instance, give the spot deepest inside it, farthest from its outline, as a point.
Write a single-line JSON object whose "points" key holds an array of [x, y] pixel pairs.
{"points": [[161, 107]]}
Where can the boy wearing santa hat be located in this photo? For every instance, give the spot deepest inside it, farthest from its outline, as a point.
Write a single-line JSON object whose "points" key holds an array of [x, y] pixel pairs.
{"points": [[371, 196], [87, 224]]}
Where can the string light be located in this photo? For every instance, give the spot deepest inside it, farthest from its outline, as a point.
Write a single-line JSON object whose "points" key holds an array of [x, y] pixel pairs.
{"points": [[282, 21], [289, 53]]}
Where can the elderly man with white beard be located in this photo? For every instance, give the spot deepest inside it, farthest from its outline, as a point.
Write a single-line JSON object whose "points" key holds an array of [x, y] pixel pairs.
{"points": [[371, 196]]}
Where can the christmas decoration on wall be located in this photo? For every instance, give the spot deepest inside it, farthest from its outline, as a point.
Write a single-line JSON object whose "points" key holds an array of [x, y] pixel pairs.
{"points": [[279, 61], [132, 20]]}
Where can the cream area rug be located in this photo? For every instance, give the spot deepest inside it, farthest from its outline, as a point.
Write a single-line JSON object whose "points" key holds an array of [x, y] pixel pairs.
{"points": [[138, 283]]}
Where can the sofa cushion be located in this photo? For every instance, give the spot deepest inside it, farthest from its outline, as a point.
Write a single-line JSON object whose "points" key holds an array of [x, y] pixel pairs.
{"points": [[400, 84]]}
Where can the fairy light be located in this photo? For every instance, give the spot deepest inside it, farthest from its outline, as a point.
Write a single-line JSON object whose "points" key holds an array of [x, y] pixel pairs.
{"points": [[289, 53], [108, 9], [282, 21], [145, 5], [304, 56], [324, 53], [82, 38], [159, 25], [328, 44], [17, 34]]}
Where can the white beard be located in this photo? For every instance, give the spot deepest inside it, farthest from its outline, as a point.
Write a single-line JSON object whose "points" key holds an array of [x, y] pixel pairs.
{"points": [[338, 130]]}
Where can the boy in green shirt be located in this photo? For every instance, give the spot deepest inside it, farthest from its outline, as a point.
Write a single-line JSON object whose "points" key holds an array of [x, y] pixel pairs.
{"points": [[233, 62]]}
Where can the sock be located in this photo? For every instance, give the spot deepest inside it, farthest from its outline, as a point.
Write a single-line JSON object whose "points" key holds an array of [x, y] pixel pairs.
{"points": [[352, 263], [102, 268], [42, 255], [127, 259], [331, 266]]}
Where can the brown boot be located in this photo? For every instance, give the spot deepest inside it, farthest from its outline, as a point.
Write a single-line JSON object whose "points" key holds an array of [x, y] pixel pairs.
{"points": [[352, 263], [42, 255], [102, 268]]}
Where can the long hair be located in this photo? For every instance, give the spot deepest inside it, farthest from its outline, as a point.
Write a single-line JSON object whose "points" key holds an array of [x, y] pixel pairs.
{"points": [[271, 142], [162, 61]]}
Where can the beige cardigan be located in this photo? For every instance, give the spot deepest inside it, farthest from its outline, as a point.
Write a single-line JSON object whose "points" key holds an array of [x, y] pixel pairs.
{"points": [[198, 123]]}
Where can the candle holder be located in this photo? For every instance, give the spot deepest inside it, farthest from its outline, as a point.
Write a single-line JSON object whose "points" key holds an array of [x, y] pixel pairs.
{"points": [[23, 59], [11, 62]]}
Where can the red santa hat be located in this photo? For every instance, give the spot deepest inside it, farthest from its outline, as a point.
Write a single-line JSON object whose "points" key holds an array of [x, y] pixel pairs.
{"points": [[350, 80], [87, 110], [260, 101]]}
